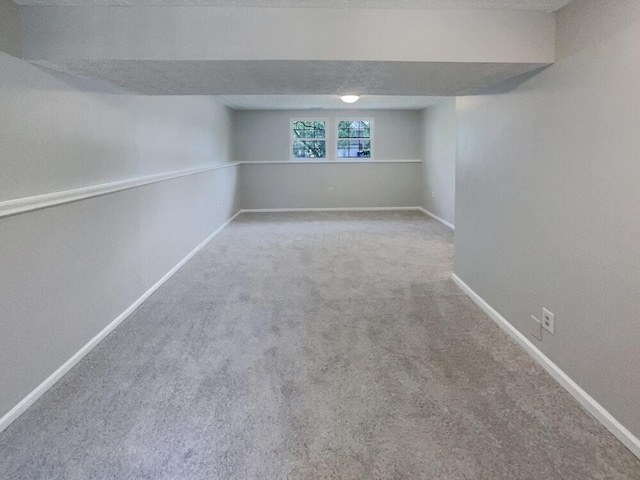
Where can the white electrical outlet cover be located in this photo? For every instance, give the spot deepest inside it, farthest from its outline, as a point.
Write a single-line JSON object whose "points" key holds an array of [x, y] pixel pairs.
{"points": [[548, 321]]}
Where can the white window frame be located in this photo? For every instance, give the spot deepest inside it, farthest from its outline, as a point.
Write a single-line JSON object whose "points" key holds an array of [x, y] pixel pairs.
{"points": [[371, 139], [327, 127]]}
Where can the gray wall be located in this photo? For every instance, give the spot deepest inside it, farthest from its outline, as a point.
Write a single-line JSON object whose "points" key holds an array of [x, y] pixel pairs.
{"points": [[265, 135], [548, 202], [58, 132], [10, 41], [299, 185], [67, 271], [439, 138]]}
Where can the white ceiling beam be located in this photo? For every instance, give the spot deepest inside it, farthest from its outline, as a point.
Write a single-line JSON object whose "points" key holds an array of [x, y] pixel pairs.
{"points": [[207, 33]]}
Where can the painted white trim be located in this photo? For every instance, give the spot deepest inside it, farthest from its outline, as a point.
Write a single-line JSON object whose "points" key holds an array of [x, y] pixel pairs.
{"points": [[435, 217], [31, 398], [365, 161], [589, 403], [329, 209], [38, 202]]}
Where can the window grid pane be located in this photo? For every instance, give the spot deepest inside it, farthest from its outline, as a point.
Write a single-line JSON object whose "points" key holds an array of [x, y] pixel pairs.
{"points": [[309, 139], [308, 129], [309, 149], [354, 129], [354, 148], [354, 139]]}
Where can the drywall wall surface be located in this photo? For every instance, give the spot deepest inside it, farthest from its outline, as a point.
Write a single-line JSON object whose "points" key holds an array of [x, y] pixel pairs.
{"points": [[68, 271], [265, 135], [212, 33], [547, 210], [59, 132], [439, 137], [10, 36], [330, 185], [584, 23], [177, 132]]}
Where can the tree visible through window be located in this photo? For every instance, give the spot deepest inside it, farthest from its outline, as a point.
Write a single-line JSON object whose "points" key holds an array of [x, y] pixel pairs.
{"points": [[309, 139], [354, 139]]}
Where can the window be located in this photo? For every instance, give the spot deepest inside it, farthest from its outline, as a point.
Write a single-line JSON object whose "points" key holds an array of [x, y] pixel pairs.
{"points": [[309, 139], [354, 139], [347, 139]]}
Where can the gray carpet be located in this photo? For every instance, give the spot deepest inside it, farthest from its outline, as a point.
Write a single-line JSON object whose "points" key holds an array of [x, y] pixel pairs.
{"points": [[312, 346]]}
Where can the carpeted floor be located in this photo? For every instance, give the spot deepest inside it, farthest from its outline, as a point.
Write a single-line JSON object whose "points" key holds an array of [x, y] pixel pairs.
{"points": [[312, 346]]}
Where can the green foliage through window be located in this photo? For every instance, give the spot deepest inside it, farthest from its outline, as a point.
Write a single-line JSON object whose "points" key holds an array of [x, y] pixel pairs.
{"points": [[309, 139], [354, 139]]}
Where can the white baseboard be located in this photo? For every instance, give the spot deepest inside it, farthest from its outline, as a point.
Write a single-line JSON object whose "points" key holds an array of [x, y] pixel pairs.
{"points": [[592, 406], [341, 161], [330, 209], [31, 398], [435, 217]]}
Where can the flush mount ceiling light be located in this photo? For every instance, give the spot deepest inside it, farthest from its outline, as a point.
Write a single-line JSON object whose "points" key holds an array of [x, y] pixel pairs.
{"points": [[350, 98]]}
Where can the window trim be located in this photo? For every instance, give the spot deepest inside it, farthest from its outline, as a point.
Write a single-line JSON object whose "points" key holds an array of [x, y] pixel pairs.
{"points": [[371, 138], [327, 127]]}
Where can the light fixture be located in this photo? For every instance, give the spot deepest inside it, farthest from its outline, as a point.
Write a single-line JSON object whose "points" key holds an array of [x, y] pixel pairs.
{"points": [[350, 98]]}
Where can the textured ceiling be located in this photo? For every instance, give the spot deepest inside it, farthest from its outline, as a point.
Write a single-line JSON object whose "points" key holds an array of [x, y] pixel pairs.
{"points": [[325, 102], [542, 5], [282, 77]]}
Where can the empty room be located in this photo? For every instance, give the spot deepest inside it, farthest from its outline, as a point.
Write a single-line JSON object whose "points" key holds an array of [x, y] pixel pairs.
{"points": [[320, 239]]}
